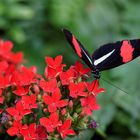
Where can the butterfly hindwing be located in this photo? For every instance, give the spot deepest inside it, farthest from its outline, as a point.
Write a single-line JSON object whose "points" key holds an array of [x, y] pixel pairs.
{"points": [[78, 48], [115, 54]]}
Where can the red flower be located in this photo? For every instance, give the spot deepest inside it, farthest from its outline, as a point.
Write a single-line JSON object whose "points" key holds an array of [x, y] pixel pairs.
{"points": [[5, 48], [29, 132], [49, 86], [24, 76], [54, 63], [77, 89], [29, 102], [54, 67], [50, 93], [79, 68], [21, 90], [16, 57], [93, 88], [15, 129], [10, 70], [54, 101], [18, 112], [67, 77], [65, 130], [5, 52], [89, 104], [5, 81], [41, 133], [50, 123]]}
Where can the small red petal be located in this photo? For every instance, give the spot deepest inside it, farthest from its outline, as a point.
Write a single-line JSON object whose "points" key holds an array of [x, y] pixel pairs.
{"points": [[62, 103], [56, 95], [3, 66], [58, 59], [41, 132], [1, 111], [1, 100], [49, 61], [12, 131], [16, 58], [52, 108], [66, 125], [67, 132], [12, 111], [47, 99], [8, 45], [54, 118], [44, 121], [87, 111]]}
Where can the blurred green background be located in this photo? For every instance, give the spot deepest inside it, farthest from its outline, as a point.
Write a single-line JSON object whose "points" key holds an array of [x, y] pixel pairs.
{"points": [[35, 28]]}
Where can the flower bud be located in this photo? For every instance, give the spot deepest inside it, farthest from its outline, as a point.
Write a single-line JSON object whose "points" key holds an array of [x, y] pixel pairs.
{"points": [[45, 110], [70, 104], [36, 89], [93, 124], [63, 111]]}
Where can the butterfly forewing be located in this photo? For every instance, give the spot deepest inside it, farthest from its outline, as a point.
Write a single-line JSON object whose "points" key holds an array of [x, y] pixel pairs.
{"points": [[79, 48], [115, 54]]}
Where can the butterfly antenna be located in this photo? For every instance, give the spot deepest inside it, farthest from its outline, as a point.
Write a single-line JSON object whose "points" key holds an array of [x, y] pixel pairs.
{"points": [[114, 85]]}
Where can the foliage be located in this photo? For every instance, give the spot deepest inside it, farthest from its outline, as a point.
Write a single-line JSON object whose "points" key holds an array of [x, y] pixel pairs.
{"points": [[36, 26]]}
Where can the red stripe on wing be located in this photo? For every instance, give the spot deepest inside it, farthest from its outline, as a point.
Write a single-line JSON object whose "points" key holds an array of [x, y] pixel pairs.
{"points": [[76, 46], [126, 51]]}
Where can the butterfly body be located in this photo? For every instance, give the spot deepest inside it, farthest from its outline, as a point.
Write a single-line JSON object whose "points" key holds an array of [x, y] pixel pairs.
{"points": [[107, 56]]}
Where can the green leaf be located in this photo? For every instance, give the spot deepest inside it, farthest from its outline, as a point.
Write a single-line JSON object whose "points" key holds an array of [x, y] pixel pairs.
{"points": [[85, 135]]}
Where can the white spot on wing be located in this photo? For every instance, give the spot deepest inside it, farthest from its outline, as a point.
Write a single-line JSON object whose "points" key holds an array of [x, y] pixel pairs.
{"points": [[101, 59], [89, 59]]}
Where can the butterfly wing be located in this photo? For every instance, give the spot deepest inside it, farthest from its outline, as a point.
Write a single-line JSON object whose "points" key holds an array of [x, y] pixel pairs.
{"points": [[115, 54], [78, 48]]}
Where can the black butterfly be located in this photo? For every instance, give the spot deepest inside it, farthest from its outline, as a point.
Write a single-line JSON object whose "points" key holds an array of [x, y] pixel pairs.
{"points": [[107, 56]]}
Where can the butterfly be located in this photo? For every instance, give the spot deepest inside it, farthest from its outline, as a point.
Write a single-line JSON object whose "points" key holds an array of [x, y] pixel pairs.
{"points": [[107, 56]]}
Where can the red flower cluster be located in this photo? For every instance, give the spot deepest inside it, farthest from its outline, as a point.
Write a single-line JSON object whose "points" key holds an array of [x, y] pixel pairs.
{"points": [[37, 107]]}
